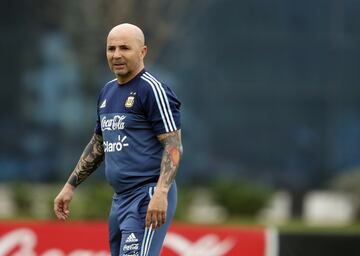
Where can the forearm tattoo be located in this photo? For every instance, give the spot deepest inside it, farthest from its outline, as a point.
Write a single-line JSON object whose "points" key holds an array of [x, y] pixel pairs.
{"points": [[171, 157], [89, 161]]}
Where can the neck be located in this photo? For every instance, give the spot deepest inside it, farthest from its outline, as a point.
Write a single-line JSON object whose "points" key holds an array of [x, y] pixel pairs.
{"points": [[128, 77]]}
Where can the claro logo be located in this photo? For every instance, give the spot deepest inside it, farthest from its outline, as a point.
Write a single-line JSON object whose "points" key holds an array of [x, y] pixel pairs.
{"points": [[22, 241]]}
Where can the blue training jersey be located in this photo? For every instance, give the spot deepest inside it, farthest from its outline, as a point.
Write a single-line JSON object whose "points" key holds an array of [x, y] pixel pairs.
{"points": [[130, 116]]}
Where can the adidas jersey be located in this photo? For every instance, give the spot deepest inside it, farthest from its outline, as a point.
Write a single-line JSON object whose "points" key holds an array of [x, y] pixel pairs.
{"points": [[130, 116]]}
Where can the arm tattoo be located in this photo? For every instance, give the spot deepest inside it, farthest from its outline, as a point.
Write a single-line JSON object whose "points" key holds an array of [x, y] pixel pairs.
{"points": [[90, 159], [171, 157]]}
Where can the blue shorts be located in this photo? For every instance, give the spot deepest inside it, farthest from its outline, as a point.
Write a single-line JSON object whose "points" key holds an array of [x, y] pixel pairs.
{"points": [[127, 233]]}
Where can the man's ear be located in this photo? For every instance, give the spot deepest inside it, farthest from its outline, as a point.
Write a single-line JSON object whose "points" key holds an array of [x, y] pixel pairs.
{"points": [[143, 51]]}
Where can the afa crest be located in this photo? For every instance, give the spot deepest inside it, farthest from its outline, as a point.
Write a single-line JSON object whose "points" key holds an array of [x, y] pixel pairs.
{"points": [[129, 101]]}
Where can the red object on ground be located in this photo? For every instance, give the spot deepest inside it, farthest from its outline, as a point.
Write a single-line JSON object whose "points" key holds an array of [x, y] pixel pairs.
{"points": [[199, 240], [91, 239]]}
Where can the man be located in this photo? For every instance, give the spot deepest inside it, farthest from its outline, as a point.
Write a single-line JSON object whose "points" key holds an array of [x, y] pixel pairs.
{"points": [[138, 133]]}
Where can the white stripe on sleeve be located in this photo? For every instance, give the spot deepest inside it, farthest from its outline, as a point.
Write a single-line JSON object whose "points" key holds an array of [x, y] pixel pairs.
{"points": [[166, 99], [158, 102], [163, 100]]}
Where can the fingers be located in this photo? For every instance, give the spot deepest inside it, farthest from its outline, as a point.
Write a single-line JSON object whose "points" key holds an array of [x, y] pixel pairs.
{"points": [[61, 209], [62, 202], [148, 219], [155, 218], [163, 217], [58, 210], [66, 208]]}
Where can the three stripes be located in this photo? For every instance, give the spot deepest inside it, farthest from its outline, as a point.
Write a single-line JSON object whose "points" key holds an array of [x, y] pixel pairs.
{"points": [[162, 101], [146, 243], [149, 232]]}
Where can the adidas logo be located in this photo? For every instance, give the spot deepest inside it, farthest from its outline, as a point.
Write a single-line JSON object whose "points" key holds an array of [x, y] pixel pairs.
{"points": [[103, 105], [131, 238]]}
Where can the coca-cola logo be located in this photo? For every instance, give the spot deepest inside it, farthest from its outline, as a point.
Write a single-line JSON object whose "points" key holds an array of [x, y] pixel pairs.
{"points": [[24, 241], [114, 123]]}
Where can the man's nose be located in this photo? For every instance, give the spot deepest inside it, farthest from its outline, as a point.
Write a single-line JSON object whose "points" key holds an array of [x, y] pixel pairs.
{"points": [[117, 53]]}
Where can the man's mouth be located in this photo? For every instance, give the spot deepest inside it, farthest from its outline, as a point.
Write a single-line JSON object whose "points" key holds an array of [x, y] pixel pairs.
{"points": [[119, 66]]}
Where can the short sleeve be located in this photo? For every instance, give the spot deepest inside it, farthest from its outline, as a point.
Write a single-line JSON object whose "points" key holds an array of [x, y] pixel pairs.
{"points": [[162, 108]]}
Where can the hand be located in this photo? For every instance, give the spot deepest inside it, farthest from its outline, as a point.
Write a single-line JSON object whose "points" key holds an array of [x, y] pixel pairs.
{"points": [[62, 201], [157, 209]]}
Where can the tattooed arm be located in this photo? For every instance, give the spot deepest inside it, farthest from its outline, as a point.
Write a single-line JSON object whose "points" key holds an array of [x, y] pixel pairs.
{"points": [[90, 159], [171, 158], [157, 208]]}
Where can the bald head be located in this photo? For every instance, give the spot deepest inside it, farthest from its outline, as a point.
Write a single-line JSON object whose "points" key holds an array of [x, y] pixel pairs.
{"points": [[126, 51], [129, 30]]}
